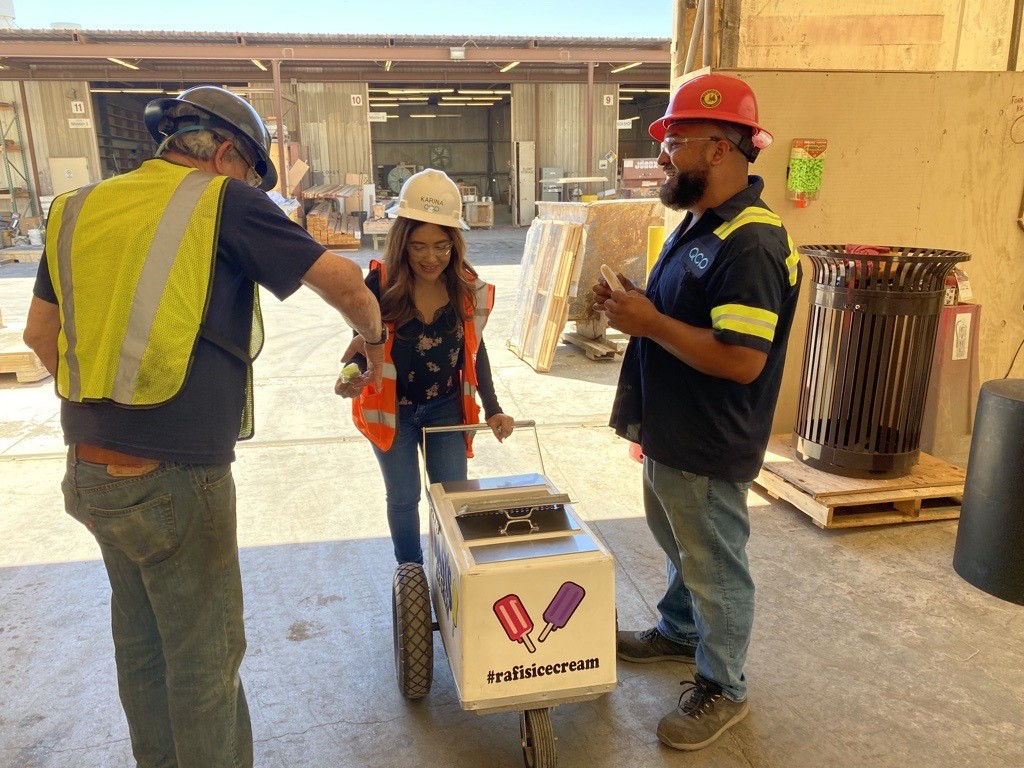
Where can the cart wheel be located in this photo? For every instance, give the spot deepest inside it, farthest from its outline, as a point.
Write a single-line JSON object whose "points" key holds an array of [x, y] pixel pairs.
{"points": [[538, 738], [414, 637]]}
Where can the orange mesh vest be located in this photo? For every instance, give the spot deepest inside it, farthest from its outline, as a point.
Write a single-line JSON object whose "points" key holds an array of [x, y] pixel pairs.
{"points": [[376, 413]]}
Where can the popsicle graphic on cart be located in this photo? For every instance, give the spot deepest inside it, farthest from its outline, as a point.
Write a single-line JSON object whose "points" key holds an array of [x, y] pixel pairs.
{"points": [[561, 608], [515, 620]]}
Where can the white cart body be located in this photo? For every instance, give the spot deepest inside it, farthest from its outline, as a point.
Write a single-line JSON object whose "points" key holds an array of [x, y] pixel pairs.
{"points": [[487, 586]]}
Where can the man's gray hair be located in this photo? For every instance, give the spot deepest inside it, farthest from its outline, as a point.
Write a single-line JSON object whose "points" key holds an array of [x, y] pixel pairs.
{"points": [[201, 144]]}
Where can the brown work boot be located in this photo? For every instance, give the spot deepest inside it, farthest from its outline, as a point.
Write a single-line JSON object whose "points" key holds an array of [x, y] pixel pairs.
{"points": [[703, 714], [650, 645]]}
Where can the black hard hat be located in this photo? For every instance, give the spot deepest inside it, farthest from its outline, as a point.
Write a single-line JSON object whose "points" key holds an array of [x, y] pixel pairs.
{"points": [[226, 110]]}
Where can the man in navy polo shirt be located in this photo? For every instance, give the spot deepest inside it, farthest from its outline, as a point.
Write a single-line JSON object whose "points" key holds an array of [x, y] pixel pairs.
{"points": [[697, 391]]}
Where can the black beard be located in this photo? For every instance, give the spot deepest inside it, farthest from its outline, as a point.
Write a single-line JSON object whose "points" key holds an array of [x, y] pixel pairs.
{"points": [[684, 189]]}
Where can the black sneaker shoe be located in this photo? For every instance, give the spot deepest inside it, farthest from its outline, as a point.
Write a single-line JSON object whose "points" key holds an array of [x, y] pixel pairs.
{"points": [[703, 714], [650, 645]]}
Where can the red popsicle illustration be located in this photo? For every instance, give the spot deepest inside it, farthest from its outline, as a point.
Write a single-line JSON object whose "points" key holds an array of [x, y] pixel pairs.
{"points": [[515, 620], [561, 608]]}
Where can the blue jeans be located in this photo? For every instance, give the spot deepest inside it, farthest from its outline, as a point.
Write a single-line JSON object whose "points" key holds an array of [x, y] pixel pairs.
{"points": [[702, 524], [446, 461], [168, 542]]}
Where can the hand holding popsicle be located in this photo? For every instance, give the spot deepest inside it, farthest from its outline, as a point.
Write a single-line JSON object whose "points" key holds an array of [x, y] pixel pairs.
{"points": [[561, 608]]}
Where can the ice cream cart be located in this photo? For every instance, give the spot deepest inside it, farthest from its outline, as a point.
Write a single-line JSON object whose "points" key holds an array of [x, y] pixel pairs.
{"points": [[524, 596]]}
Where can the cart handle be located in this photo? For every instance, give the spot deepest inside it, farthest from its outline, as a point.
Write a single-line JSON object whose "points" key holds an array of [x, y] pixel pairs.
{"points": [[527, 424]]}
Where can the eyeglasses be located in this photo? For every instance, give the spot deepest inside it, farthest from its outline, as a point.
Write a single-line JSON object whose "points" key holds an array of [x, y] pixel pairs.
{"points": [[670, 146], [422, 249]]}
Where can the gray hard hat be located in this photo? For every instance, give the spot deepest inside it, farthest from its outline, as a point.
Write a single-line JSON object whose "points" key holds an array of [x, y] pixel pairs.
{"points": [[217, 108]]}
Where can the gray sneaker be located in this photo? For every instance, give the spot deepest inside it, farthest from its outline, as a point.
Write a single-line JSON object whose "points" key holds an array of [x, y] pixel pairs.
{"points": [[650, 645], [703, 714]]}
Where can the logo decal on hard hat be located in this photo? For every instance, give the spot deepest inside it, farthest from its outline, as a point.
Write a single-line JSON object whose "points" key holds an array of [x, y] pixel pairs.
{"points": [[710, 98]]}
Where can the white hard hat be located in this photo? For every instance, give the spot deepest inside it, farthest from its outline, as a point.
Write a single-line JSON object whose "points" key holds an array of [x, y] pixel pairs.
{"points": [[430, 196]]}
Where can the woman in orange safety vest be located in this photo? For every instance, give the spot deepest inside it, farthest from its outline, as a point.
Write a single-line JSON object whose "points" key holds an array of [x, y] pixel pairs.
{"points": [[435, 308]]}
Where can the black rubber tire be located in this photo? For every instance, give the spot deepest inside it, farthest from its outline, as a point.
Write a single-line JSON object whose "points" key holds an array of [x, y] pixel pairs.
{"points": [[414, 635], [538, 738]]}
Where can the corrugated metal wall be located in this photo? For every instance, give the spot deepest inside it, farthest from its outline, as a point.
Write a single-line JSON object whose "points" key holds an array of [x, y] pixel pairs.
{"points": [[560, 111], [49, 109], [334, 132], [636, 141]]}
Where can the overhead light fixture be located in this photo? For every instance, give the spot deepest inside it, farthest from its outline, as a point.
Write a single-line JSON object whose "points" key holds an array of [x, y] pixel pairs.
{"points": [[491, 92], [422, 115], [410, 91], [413, 98], [391, 117], [457, 53], [450, 115], [644, 90], [625, 98], [624, 67], [259, 64], [510, 65], [122, 63], [387, 66]]}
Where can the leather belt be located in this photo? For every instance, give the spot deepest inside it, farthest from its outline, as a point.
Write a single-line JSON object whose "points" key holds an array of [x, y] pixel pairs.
{"points": [[97, 455]]}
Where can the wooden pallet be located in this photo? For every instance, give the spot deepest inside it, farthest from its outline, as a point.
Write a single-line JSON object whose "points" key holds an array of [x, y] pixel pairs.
{"points": [[18, 359], [601, 348], [931, 492]]}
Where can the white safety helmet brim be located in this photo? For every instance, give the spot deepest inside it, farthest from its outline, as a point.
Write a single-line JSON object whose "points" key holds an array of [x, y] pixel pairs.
{"points": [[426, 217]]}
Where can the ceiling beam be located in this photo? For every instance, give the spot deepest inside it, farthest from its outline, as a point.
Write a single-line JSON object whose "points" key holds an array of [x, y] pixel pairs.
{"points": [[308, 53], [212, 75]]}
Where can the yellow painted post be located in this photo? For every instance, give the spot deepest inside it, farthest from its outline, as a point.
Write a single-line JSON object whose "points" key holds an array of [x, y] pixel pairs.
{"points": [[655, 241]]}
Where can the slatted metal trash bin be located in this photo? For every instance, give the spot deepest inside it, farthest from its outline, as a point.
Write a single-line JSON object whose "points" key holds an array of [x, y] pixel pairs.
{"points": [[867, 358], [990, 538]]}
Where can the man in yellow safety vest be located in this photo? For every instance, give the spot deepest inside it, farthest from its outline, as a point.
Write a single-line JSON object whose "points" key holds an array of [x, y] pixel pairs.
{"points": [[146, 313]]}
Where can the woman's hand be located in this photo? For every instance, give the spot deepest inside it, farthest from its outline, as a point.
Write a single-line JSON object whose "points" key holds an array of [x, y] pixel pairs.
{"points": [[501, 425]]}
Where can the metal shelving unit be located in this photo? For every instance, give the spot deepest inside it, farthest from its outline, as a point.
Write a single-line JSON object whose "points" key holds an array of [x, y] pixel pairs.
{"points": [[12, 144]]}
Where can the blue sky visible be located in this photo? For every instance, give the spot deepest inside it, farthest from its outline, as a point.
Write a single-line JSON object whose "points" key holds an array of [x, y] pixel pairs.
{"points": [[540, 18]]}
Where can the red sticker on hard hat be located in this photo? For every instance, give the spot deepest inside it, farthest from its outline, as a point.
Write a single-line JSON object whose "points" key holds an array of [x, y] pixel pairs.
{"points": [[710, 98]]}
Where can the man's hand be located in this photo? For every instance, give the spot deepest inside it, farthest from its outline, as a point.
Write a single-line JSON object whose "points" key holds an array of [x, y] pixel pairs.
{"points": [[501, 425], [374, 354], [631, 313], [602, 292]]}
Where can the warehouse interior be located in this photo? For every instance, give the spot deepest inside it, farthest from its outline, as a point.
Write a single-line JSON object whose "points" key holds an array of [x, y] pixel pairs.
{"points": [[870, 644]]}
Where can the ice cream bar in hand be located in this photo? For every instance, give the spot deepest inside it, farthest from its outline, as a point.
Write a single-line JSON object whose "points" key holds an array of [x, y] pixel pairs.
{"points": [[561, 608], [611, 278], [515, 620]]}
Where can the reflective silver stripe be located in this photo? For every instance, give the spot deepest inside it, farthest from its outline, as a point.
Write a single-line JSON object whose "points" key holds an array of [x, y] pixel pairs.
{"points": [[468, 389], [389, 371], [373, 416], [68, 221], [482, 311], [156, 270]]}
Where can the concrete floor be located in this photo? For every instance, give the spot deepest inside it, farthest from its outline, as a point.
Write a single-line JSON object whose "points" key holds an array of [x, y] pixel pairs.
{"points": [[867, 648]]}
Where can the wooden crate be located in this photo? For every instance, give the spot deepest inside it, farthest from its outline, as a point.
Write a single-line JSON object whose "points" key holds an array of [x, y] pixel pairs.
{"points": [[480, 214], [931, 492], [18, 359]]}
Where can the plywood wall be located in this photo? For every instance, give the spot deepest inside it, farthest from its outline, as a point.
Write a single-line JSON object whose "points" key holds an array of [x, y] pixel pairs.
{"points": [[908, 35], [934, 160]]}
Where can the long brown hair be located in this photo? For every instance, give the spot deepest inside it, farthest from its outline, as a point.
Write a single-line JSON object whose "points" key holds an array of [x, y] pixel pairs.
{"points": [[396, 300]]}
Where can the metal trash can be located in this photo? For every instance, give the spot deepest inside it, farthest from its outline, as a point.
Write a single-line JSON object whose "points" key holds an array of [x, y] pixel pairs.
{"points": [[990, 539], [867, 358]]}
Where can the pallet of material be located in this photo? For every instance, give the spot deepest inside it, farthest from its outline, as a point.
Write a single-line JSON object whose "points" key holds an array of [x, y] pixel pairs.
{"points": [[329, 228], [18, 359], [542, 303], [932, 491]]}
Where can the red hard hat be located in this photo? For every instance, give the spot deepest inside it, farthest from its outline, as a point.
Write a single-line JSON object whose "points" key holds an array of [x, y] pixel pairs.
{"points": [[713, 97]]}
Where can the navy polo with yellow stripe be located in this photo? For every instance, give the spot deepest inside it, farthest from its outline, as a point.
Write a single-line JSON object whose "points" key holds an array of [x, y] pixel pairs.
{"points": [[736, 271]]}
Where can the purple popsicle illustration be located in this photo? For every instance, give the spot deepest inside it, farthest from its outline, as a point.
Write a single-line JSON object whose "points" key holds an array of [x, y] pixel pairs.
{"points": [[561, 608]]}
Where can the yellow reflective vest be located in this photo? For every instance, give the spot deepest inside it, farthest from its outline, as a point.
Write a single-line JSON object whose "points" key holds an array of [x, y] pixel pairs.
{"points": [[131, 260]]}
